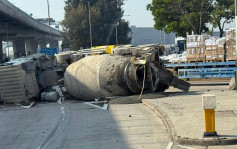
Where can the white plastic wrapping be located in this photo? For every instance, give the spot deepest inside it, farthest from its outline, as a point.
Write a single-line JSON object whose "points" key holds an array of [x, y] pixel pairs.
{"points": [[220, 42], [197, 38], [211, 41], [192, 44], [176, 58], [230, 34]]}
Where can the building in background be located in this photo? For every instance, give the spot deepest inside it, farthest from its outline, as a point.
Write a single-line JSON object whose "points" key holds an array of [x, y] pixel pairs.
{"points": [[7, 50], [53, 23], [149, 35]]}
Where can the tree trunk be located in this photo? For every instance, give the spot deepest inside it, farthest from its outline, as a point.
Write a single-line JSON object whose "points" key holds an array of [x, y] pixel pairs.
{"points": [[220, 29], [221, 33]]}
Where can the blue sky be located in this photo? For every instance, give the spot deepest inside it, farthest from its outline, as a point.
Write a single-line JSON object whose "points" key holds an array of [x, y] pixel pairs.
{"points": [[135, 10], [138, 15]]}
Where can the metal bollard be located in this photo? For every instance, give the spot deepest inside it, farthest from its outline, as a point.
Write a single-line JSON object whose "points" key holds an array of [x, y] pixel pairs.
{"points": [[209, 106]]}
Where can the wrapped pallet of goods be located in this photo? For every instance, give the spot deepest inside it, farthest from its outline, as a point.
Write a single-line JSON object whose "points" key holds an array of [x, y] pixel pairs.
{"points": [[230, 45], [211, 52], [221, 48], [196, 48]]}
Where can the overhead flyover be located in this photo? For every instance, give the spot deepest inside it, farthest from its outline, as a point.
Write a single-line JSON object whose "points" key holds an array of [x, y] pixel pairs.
{"points": [[26, 33]]}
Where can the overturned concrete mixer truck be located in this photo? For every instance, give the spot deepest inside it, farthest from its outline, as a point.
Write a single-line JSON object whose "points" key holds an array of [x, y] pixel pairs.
{"points": [[126, 71]]}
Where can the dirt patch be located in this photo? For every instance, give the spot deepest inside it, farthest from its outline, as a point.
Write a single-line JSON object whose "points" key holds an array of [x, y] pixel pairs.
{"points": [[134, 98]]}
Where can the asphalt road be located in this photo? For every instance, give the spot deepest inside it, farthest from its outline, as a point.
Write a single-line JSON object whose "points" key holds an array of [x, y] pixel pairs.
{"points": [[75, 125]]}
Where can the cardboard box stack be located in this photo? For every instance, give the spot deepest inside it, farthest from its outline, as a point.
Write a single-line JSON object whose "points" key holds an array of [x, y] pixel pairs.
{"points": [[211, 53], [221, 48], [230, 45], [196, 48]]}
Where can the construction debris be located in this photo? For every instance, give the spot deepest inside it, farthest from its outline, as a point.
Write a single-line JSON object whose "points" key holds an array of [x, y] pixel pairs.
{"points": [[50, 96], [24, 78], [18, 79], [60, 91], [48, 78]]}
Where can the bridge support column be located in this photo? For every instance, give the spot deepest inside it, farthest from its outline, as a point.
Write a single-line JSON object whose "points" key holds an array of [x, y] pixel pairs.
{"points": [[42, 43], [54, 44], [19, 47], [28, 47], [34, 46], [1, 51], [31, 46]]}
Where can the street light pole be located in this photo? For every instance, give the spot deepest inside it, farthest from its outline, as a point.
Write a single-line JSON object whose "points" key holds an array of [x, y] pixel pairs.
{"points": [[89, 8], [116, 33], [133, 40], [49, 24], [236, 38], [236, 25]]}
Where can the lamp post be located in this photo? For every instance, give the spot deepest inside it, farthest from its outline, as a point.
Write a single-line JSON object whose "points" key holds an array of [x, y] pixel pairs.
{"points": [[49, 25], [116, 32], [88, 3], [236, 25], [236, 38], [132, 36]]}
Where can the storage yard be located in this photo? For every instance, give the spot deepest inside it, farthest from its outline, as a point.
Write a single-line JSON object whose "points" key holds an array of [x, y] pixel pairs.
{"points": [[206, 48]]}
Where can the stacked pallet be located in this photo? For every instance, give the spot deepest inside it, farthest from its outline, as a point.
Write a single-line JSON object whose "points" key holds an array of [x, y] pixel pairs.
{"points": [[215, 49], [230, 45], [196, 48], [211, 50], [221, 48], [203, 48]]}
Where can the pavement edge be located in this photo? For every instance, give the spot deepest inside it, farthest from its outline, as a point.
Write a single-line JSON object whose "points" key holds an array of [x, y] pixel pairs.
{"points": [[187, 141]]}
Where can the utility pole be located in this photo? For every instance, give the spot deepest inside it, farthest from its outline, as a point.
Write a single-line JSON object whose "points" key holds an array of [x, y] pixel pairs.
{"points": [[89, 9], [133, 40], [236, 25], [164, 36], [236, 39], [49, 25], [119, 4]]}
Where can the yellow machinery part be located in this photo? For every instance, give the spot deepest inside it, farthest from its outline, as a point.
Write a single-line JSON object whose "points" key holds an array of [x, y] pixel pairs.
{"points": [[107, 48]]}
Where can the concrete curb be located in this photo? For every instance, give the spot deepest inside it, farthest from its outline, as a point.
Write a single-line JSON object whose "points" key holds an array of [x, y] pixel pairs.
{"points": [[187, 141]]}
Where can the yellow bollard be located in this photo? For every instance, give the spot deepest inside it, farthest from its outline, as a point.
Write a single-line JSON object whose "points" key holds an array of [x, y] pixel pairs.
{"points": [[209, 106]]}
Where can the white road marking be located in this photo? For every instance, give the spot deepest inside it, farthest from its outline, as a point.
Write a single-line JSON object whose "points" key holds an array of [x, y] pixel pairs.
{"points": [[26, 107], [39, 147], [185, 147], [63, 113], [105, 106], [170, 145]]}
